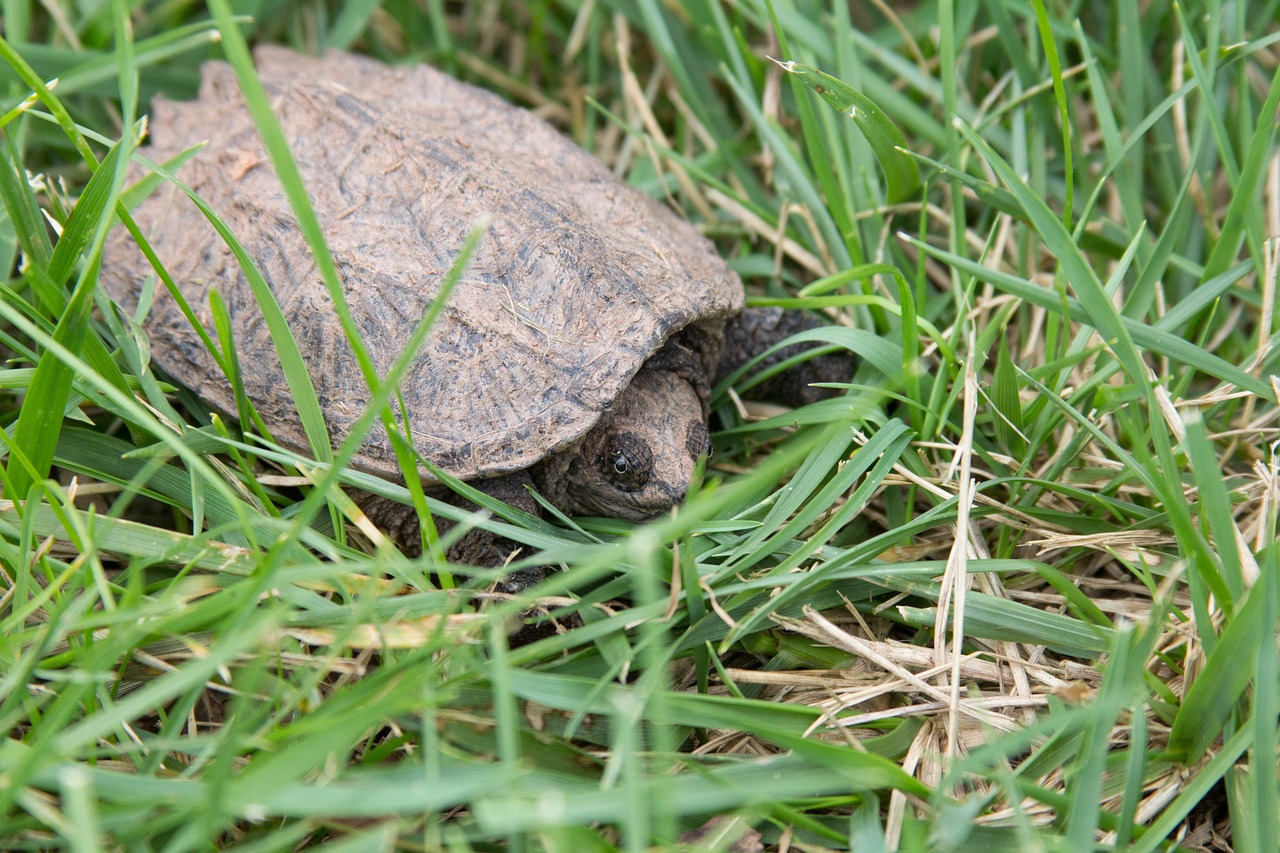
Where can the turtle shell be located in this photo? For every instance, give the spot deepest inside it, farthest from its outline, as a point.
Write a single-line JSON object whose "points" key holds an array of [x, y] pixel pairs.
{"points": [[578, 280]]}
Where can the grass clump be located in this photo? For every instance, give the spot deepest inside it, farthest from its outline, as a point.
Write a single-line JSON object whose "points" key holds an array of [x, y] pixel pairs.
{"points": [[1017, 588]]}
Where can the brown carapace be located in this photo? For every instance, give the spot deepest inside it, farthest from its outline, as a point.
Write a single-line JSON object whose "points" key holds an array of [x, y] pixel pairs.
{"points": [[575, 354]]}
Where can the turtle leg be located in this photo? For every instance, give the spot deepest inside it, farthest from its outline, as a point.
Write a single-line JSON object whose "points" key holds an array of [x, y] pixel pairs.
{"points": [[755, 330], [488, 550], [479, 547]]}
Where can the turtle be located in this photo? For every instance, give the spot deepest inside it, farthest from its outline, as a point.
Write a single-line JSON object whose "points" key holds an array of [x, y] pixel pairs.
{"points": [[575, 354]]}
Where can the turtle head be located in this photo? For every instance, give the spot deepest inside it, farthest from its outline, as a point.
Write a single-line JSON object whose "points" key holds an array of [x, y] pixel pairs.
{"points": [[636, 463]]}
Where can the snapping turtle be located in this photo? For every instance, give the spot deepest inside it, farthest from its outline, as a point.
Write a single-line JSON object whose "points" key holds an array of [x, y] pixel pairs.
{"points": [[577, 350]]}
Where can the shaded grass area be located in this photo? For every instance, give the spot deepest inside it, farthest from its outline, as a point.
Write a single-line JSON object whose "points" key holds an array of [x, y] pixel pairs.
{"points": [[1016, 588]]}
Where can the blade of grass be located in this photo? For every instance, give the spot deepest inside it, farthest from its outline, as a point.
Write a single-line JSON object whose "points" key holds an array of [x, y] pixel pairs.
{"points": [[1244, 210], [902, 178], [1191, 793], [1213, 698], [122, 399], [1060, 97], [1154, 338], [40, 420], [797, 175], [1121, 689], [96, 71]]}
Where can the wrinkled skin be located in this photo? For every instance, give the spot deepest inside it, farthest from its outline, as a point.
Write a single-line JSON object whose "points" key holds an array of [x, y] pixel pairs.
{"points": [[636, 463], [638, 460]]}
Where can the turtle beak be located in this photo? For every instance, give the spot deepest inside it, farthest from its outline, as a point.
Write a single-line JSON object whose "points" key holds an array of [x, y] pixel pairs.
{"points": [[672, 496]]}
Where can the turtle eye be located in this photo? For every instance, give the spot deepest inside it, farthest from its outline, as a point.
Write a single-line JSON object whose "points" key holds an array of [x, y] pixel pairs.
{"points": [[627, 461]]}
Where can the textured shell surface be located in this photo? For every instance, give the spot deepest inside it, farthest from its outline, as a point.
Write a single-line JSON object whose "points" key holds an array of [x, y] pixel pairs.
{"points": [[577, 281]]}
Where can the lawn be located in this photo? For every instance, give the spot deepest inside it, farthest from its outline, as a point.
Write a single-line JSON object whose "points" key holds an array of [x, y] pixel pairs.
{"points": [[1014, 588]]}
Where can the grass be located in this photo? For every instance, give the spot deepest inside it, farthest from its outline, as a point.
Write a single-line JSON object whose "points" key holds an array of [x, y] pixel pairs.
{"points": [[1017, 589]]}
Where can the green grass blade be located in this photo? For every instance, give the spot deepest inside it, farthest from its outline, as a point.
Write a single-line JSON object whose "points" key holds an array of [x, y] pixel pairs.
{"points": [[39, 422], [1008, 402], [1243, 210], [1060, 98], [1156, 339], [1213, 698], [1193, 792], [902, 178]]}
